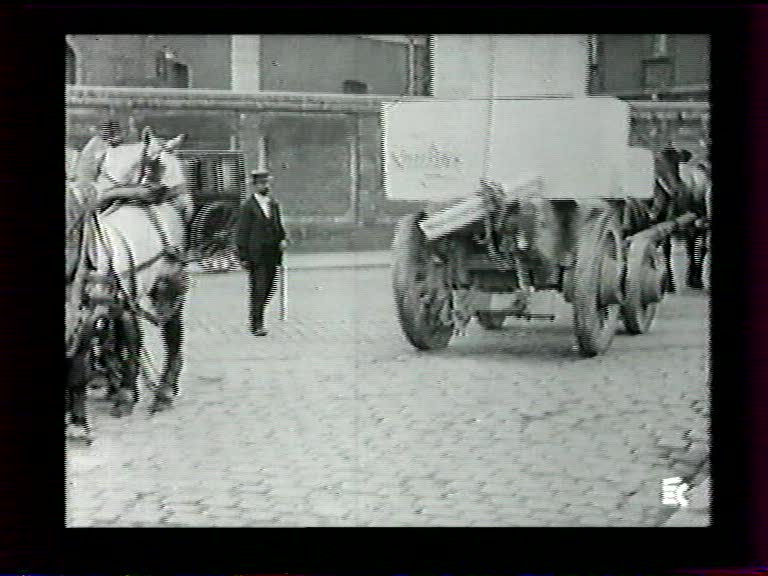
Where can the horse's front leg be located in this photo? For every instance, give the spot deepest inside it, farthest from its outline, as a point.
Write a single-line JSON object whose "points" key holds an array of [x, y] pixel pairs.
{"points": [[128, 347], [669, 284], [78, 428], [169, 382], [696, 251]]}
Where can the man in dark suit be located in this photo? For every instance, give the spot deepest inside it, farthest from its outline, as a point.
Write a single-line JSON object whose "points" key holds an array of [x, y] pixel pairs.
{"points": [[260, 241]]}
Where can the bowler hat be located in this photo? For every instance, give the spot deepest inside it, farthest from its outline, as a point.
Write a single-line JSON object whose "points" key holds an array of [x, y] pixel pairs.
{"points": [[260, 174]]}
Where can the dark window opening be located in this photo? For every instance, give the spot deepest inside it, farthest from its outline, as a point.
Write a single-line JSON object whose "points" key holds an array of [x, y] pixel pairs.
{"points": [[169, 72], [355, 87], [70, 65], [180, 76], [657, 74]]}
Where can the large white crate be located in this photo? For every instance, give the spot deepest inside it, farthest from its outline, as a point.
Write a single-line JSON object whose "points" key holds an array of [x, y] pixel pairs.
{"points": [[435, 149]]}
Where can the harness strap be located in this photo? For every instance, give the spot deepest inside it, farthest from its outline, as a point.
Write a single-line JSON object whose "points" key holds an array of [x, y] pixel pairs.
{"points": [[156, 223], [133, 289]]}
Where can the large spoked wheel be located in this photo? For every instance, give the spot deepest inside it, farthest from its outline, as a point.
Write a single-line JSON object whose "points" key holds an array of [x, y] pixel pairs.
{"points": [[213, 235], [597, 284], [418, 304], [644, 285], [491, 320]]}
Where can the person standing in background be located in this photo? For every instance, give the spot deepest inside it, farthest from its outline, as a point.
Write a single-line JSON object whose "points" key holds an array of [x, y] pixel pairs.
{"points": [[109, 134], [261, 240]]}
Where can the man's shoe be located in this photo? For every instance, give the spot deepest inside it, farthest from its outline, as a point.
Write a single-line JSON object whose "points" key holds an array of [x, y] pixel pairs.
{"points": [[259, 332]]}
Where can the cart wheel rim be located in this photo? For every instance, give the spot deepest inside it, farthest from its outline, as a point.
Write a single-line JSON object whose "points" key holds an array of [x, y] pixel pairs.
{"points": [[597, 279], [646, 275], [419, 305]]}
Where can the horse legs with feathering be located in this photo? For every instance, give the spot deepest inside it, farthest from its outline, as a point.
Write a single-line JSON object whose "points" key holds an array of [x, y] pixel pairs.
{"points": [[136, 271]]}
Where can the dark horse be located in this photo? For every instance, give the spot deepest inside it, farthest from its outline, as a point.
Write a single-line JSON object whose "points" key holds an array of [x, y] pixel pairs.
{"points": [[124, 262], [679, 188], [683, 187]]}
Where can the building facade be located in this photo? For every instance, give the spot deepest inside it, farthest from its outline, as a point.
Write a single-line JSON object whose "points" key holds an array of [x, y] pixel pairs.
{"points": [[149, 61], [316, 126], [385, 65], [671, 67]]}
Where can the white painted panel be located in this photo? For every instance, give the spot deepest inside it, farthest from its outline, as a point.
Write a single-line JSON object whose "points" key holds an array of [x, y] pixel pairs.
{"points": [[434, 150], [639, 174], [577, 145], [246, 62]]}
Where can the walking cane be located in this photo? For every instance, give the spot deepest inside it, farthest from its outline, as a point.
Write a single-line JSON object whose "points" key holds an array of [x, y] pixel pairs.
{"points": [[283, 293]]}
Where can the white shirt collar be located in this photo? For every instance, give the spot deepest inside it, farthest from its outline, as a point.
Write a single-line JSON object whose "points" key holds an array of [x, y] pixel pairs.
{"points": [[264, 202]]}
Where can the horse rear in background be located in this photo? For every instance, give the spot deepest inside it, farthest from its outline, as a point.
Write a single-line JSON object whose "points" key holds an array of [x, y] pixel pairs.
{"points": [[697, 178], [125, 263]]}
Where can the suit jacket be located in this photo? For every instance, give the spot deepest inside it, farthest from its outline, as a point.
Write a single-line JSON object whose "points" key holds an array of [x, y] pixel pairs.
{"points": [[258, 237]]}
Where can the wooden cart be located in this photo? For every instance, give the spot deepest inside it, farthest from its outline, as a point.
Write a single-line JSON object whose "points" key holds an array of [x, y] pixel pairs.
{"points": [[520, 196]]}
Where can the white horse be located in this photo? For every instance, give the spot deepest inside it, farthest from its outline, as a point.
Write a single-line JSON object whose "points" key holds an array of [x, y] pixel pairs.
{"points": [[130, 267]]}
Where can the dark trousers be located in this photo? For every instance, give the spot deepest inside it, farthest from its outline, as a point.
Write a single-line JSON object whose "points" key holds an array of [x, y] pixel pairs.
{"points": [[262, 286]]}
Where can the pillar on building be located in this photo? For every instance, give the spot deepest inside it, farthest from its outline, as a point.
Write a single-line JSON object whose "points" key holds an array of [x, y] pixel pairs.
{"points": [[246, 62]]}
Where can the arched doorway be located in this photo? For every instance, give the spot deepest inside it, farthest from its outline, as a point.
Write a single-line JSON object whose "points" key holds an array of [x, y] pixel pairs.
{"points": [[70, 65]]}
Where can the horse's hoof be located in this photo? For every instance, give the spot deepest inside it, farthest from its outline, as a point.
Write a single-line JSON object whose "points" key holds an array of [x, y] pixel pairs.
{"points": [[120, 410], [160, 404], [79, 435]]}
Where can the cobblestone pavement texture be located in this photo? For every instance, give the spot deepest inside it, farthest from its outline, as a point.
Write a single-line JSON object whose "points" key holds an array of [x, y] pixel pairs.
{"points": [[333, 419]]}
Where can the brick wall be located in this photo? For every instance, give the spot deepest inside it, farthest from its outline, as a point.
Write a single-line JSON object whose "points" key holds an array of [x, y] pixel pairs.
{"points": [[622, 56], [302, 63], [130, 59]]}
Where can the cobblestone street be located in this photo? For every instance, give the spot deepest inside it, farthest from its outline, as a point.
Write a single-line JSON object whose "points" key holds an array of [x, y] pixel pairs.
{"points": [[335, 420]]}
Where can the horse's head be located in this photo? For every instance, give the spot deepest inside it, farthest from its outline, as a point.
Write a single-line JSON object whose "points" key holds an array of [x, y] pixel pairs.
{"points": [[679, 187], [152, 160], [668, 160]]}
